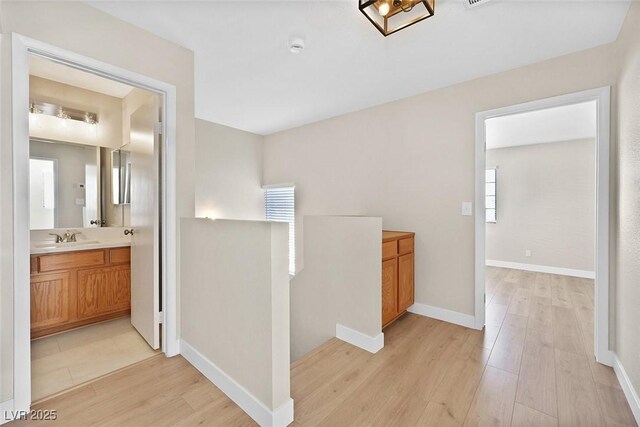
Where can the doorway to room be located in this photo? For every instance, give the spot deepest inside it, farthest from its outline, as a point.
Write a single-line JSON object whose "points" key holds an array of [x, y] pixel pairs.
{"points": [[535, 244], [94, 173], [91, 283]]}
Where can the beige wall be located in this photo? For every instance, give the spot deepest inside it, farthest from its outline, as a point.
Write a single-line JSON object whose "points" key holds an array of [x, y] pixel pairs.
{"points": [[411, 162], [106, 133], [235, 298], [105, 38], [228, 172], [546, 204], [340, 282], [627, 296]]}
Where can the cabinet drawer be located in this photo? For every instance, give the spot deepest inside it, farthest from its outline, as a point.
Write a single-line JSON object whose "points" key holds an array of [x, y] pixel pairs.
{"points": [[70, 260], [120, 255], [405, 246], [389, 249]]}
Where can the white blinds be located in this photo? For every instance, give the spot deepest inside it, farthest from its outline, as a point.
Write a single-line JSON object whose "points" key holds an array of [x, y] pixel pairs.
{"points": [[279, 205]]}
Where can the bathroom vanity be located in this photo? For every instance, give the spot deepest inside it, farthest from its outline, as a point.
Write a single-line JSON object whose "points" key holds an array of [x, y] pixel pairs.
{"points": [[72, 288]]}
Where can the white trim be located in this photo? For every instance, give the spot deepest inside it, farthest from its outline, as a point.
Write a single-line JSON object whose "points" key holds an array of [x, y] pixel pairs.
{"points": [[357, 338], [21, 47], [586, 274], [281, 416], [7, 412], [455, 317], [602, 97], [627, 387]]}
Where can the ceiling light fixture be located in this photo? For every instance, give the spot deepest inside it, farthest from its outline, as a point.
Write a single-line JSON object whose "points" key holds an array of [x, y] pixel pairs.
{"points": [[389, 16], [62, 112]]}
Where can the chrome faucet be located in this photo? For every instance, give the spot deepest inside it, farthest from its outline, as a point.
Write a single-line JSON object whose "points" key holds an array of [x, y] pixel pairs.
{"points": [[68, 236], [71, 236], [59, 238]]}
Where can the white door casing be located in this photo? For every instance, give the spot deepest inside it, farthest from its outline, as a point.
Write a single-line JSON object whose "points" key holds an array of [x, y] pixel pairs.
{"points": [[21, 47]]}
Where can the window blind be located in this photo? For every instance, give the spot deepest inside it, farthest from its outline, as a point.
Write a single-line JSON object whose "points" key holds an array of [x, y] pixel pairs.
{"points": [[279, 205]]}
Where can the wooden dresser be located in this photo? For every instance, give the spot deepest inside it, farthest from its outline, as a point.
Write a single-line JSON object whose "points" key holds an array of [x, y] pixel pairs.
{"points": [[72, 289], [397, 274]]}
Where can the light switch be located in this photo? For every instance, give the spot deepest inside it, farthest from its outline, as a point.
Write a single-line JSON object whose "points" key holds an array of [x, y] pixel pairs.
{"points": [[80, 202], [467, 208]]}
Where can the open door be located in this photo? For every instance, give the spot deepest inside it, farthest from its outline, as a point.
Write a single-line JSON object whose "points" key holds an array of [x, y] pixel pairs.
{"points": [[145, 223]]}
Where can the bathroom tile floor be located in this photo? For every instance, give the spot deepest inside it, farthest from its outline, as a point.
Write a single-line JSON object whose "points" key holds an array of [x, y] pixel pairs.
{"points": [[65, 360]]}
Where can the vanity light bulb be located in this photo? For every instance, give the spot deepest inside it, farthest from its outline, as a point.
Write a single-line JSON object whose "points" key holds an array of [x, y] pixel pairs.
{"points": [[384, 9]]}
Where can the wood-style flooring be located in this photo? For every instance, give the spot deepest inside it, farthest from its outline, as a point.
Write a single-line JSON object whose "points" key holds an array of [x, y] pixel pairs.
{"points": [[533, 365]]}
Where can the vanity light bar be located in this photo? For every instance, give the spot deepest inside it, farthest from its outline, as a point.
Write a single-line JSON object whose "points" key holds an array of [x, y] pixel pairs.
{"points": [[62, 112]]}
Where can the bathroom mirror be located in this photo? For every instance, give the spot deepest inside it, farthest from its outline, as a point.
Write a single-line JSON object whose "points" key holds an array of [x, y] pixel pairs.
{"points": [[71, 185]]}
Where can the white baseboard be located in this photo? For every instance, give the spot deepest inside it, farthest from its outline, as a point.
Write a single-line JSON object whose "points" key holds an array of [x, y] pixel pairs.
{"points": [[462, 319], [6, 411], [365, 342], [542, 269], [630, 393], [279, 417]]}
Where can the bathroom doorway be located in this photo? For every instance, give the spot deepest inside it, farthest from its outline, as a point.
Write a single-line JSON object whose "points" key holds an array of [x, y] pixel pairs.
{"points": [[91, 296]]}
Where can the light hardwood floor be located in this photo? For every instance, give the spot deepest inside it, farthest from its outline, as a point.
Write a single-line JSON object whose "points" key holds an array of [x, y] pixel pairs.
{"points": [[531, 366]]}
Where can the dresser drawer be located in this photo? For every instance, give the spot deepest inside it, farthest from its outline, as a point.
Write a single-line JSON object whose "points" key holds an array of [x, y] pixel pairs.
{"points": [[69, 260], [389, 249]]}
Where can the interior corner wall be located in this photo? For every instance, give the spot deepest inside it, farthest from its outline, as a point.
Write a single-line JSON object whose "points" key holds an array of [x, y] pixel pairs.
{"points": [[228, 172], [100, 36], [545, 203], [627, 290], [412, 163]]}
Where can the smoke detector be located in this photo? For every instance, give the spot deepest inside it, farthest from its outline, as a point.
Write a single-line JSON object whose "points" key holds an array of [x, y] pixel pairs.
{"points": [[470, 4], [296, 45]]}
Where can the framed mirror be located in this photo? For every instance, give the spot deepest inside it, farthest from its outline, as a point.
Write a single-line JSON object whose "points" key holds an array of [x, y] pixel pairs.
{"points": [[76, 186]]}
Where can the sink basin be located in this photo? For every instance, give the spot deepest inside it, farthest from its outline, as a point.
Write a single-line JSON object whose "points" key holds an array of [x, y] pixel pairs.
{"points": [[64, 244]]}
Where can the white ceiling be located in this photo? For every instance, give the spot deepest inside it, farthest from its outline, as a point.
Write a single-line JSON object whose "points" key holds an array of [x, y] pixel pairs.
{"points": [[571, 122], [246, 78], [46, 69]]}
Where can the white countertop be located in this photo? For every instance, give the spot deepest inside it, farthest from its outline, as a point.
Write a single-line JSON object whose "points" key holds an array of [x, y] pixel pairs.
{"points": [[48, 247]]}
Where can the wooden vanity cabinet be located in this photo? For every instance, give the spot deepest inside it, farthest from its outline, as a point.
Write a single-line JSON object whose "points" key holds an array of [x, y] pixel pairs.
{"points": [[397, 274], [72, 289]]}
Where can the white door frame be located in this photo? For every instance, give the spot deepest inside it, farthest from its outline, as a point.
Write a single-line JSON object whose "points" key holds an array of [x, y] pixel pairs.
{"points": [[602, 98], [21, 47]]}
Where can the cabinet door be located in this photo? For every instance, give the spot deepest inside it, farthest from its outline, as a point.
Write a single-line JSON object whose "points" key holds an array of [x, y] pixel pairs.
{"points": [[103, 290], [405, 281], [49, 300], [389, 290]]}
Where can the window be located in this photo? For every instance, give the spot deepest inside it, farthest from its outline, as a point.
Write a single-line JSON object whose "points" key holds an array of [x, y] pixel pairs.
{"points": [[42, 184], [279, 203], [490, 195]]}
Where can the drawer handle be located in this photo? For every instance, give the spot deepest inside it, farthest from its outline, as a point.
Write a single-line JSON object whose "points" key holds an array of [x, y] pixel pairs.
{"points": [[128, 232]]}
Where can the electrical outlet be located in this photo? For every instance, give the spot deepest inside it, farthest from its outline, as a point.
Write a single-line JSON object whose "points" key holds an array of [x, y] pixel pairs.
{"points": [[80, 202], [527, 252]]}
